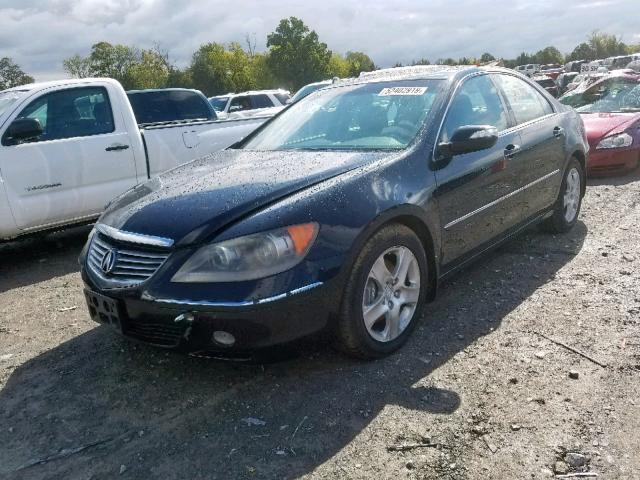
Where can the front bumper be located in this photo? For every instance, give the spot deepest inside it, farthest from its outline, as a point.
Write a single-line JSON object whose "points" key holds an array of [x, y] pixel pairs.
{"points": [[190, 326], [612, 161]]}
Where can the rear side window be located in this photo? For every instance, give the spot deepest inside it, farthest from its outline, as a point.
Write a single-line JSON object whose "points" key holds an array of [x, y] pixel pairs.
{"points": [[526, 102], [75, 112], [476, 102], [261, 101], [169, 106]]}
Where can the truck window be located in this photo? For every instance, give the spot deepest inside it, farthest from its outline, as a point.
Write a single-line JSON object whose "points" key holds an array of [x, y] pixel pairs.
{"points": [[240, 103], [283, 98], [160, 106], [261, 101], [73, 112]]}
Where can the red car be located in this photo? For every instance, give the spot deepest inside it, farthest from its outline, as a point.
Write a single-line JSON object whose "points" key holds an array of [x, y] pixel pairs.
{"points": [[610, 110]]}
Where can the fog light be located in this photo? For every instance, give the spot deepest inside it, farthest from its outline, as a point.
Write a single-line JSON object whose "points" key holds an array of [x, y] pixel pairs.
{"points": [[223, 338]]}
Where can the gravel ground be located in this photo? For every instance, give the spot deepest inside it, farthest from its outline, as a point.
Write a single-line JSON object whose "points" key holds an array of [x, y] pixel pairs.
{"points": [[482, 390]]}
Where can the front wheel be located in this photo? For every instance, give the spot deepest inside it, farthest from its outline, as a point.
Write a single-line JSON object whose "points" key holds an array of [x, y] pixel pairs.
{"points": [[384, 295], [567, 207]]}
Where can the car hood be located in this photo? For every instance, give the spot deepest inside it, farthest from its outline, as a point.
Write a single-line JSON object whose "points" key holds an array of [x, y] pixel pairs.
{"points": [[197, 200], [600, 125]]}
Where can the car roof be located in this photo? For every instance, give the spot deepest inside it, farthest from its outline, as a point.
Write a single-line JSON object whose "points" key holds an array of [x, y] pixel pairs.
{"points": [[149, 90], [435, 72], [59, 83]]}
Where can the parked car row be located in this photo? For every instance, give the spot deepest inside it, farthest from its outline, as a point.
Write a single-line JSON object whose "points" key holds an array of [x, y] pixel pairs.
{"points": [[262, 103], [342, 214]]}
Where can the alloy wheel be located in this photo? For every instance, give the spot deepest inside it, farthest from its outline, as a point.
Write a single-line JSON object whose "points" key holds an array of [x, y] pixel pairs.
{"points": [[391, 294], [572, 195]]}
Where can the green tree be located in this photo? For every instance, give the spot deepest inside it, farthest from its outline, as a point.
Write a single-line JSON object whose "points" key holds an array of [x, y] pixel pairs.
{"points": [[339, 66], [605, 45], [359, 62], [77, 66], [486, 58], [582, 52], [296, 55], [11, 75], [548, 55], [150, 71]]}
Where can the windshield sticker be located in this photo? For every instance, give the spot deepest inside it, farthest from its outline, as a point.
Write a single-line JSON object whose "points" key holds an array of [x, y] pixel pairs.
{"points": [[417, 91]]}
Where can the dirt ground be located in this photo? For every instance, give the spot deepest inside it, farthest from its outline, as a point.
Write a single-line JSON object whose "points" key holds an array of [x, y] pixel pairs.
{"points": [[477, 393]]}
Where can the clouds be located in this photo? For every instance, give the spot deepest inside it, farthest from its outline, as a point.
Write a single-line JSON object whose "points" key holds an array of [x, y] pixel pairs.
{"points": [[39, 35]]}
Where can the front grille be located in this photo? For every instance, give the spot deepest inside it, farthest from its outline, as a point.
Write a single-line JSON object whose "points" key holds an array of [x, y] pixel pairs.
{"points": [[128, 267]]}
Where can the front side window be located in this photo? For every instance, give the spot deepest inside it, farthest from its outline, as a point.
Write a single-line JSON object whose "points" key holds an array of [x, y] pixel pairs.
{"points": [[476, 102], [240, 103], [75, 112], [526, 102], [370, 116], [261, 101]]}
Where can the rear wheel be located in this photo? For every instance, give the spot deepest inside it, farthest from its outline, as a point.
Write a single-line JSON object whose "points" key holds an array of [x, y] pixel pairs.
{"points": [[567, 207], [385, 293]]}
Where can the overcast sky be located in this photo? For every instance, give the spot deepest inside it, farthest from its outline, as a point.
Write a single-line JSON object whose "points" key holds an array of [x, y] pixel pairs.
{"points": [[39, 34]]}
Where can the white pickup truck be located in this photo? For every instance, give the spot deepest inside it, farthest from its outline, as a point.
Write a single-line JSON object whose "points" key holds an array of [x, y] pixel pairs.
{"points": [[68, 147]]}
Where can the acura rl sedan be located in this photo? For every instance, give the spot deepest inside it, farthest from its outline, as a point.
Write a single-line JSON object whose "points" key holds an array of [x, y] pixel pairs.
{"points": [[341, 214]]}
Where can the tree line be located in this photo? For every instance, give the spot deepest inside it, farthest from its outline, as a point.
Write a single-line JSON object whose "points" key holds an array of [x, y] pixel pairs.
{"points": [[294, 57]]}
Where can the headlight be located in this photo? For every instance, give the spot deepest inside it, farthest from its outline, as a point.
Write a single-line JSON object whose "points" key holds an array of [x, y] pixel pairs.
{"points": [[616, 141], [248, 258]]}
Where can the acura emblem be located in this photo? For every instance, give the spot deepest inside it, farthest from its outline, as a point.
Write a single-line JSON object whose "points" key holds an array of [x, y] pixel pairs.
{"points": [[108, 261]]}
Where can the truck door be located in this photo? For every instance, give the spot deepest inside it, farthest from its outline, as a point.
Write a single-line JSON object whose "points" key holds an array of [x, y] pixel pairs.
{"points": [[80, 162]]}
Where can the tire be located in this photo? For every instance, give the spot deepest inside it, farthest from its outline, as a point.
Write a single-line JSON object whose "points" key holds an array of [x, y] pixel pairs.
{"points": [[565, 214], [387, 250]]}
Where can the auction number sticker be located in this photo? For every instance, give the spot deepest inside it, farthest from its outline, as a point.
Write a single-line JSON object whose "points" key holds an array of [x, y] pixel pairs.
{"points": [[402, 91]]}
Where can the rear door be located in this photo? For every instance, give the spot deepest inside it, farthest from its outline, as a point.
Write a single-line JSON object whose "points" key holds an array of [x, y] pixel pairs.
{"points": [[536, 170], [472, 186], [81, 161]]}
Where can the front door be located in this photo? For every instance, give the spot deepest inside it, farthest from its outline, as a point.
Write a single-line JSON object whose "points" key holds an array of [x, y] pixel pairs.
{"points": [[82, 160], [472, 187]]}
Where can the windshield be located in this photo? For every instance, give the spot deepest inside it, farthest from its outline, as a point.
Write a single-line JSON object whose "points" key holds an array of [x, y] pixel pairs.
{"points": [[218, 103], [373, 116], [610, 95], [9, 98]]}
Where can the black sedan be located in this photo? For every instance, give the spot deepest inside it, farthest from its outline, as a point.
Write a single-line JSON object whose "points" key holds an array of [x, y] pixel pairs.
{"points": [[343, 213]]}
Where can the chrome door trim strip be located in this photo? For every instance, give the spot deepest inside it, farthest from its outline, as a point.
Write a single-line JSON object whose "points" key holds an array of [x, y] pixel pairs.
{"points": [[498, 200], [249, 303], [131, 237]]}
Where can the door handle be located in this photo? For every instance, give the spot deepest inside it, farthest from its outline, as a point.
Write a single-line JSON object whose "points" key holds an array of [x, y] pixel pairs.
{"points": [[115, 147], [558, 132], [511, 150]]}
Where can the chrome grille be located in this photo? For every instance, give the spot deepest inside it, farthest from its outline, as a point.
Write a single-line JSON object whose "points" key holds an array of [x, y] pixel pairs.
{"points": [[129, 267]]}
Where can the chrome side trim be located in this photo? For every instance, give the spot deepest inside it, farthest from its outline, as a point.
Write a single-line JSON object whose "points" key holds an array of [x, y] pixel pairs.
{"points": [[131, 237], [498, 200], [204, 303]]}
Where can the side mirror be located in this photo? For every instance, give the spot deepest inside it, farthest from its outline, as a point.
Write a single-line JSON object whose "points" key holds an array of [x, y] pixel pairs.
{"points": [[235, 108], [469, 138], [23, 129]]}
